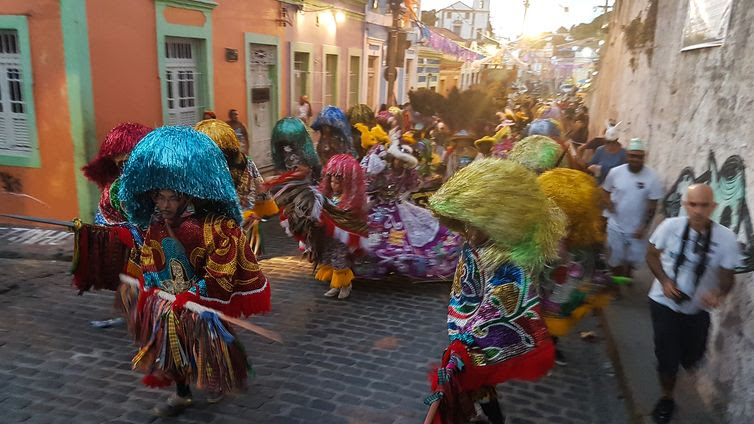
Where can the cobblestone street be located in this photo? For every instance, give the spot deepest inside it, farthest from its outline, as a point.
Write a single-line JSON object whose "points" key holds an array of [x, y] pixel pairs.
{"points": [[364, 360]]}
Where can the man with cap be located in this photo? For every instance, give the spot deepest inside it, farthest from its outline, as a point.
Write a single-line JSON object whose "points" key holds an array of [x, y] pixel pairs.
{"points": [[607, 156], [632, 191]]}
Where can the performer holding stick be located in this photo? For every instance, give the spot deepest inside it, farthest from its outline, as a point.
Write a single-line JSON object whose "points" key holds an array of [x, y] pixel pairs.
{"points": [[177, 184]]}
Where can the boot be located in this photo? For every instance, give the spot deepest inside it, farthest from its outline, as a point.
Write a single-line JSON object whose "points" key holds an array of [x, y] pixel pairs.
{"points": [[493, 412]]}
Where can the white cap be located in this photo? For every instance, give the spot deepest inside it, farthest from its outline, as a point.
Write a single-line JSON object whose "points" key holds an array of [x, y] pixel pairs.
{"points": [[636, 144], [612, 133]]}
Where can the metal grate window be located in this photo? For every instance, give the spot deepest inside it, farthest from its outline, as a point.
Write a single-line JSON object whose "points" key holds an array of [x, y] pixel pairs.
{"points": [[15, 137]]}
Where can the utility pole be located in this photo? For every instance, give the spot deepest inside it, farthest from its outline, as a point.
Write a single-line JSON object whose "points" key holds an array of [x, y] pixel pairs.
{"points": [[526, 9], [393, 51]]}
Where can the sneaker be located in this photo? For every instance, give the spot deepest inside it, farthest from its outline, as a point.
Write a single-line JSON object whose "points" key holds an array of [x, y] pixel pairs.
{"points": [[663, 412], [560, 358], [107, 323], [332, 292], [174, 406], [344, 292]]}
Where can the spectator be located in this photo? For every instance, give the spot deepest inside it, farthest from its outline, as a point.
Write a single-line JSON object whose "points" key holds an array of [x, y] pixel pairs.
{"points": [[304, 109], [632, 191], [579, 132], [607, 156], [239, 129], [693, 261]]}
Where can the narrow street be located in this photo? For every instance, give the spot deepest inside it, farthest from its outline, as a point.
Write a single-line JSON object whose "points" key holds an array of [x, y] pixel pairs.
{"points": [[364, 360]]}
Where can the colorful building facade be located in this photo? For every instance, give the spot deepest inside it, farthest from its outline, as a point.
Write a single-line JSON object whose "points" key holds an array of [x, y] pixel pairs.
{"points": [[70, 70]]}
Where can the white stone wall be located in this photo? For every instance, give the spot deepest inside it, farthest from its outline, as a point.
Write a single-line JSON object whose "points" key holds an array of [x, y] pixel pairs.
{"points": [[694, 107]]}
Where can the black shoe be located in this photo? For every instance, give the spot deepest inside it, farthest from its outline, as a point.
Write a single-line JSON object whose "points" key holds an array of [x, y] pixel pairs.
{"points": [[560, 358], [663, 412], [492, 410]]}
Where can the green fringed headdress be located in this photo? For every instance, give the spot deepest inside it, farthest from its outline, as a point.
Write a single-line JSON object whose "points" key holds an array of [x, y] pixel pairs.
{"points": [[292, 132], [502, 198], [537, 152], [179, 159]]}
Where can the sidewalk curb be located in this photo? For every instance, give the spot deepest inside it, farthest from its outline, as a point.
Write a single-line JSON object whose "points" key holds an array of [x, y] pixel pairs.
{"points": [[612, 352]]}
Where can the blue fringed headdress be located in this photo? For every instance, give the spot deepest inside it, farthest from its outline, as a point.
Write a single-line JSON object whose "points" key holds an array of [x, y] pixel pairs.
{"points": [[179, 159], [546, 127], [335, 118]]}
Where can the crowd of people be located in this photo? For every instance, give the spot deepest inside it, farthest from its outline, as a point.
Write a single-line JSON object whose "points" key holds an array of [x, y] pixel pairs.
{"points": [[513, 206]]}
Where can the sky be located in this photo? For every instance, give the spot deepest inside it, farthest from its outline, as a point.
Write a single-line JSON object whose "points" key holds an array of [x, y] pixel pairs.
{"points": [[543, 15]]}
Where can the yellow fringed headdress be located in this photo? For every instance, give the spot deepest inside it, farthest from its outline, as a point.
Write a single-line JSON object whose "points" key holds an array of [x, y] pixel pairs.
{"points": [[221, 133], [525, 230], [578, 196]]}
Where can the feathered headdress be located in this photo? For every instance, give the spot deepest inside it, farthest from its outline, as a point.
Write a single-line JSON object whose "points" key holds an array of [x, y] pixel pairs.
{"points": [[371, 137], [403, 153], [537, 152], [225, 138], [353, 196], [578, 196], [291, 133], [526, 231], [469, 110], [119, 141], [179, 159], [334, 117]]}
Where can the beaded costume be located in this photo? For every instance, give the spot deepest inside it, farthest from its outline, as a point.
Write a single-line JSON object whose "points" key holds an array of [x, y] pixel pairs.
{"points": [[495, 323], [208, 262]]}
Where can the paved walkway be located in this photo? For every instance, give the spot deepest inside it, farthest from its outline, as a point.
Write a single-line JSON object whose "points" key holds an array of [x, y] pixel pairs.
{"points": [[364, 360]]}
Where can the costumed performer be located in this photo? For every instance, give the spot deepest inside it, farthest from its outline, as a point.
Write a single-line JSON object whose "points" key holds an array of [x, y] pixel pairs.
{"points": [[364, 115], [574, 283], [404, 239], [111, 246], [343, 189], [178, 186], [495, 322], [255, 200], [334, 134]]}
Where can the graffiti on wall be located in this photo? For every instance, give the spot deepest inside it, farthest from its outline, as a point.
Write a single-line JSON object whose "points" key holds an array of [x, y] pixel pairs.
{"points": [[729, 184]]}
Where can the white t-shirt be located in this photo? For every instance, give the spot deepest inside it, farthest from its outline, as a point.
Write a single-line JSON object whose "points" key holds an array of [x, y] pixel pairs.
{"points": [[724, 252], [629, 193]]}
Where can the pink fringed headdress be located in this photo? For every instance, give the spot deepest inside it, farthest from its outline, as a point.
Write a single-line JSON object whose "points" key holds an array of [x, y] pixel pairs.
{"points": [[120, 140], [353, 197]]}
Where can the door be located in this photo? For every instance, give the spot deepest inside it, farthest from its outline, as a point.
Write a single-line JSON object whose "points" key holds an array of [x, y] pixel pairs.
{"points": [[263, 74], [371, 80], [181, 80]]}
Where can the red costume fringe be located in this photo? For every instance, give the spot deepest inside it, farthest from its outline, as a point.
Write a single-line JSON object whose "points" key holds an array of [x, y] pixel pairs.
{"points": [[101, 255]]}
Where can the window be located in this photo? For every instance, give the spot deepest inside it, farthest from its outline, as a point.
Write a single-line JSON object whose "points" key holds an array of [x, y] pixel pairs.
{"points": [[466, 15], [481, 4], [371, 80], [331, 79], [181, 82], [354, 80], [457, 29], [300, 74], [15, 108]]}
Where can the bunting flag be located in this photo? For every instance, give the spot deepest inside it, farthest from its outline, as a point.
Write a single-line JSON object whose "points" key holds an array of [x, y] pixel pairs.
{"points": [[445, 45]]}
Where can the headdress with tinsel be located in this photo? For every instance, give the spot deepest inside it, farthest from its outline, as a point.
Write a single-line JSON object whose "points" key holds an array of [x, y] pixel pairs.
{"points": [[335, 118], [353, 196], [225, 138], [119, 141], [179, 159], [537, 152], [578, 196], [526, 231], [361, 114], [292, 132], [547, 127]]}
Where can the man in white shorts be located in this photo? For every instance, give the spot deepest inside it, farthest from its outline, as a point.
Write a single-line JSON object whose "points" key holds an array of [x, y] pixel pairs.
{"points": [[632, 192]]}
